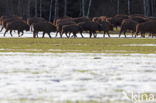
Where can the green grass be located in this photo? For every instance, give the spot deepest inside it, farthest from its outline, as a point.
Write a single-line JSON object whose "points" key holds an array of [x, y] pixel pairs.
{"points": [[99, 45], [83, 71]]}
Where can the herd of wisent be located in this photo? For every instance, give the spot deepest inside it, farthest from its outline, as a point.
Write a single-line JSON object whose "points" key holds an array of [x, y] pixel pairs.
{"points": [[70, 27]]}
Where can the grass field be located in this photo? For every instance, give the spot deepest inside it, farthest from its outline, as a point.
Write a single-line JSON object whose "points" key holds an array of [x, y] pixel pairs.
{"points": [[99, 45]]}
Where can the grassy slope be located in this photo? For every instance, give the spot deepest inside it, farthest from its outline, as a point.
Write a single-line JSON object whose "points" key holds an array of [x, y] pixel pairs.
{"points": [[76, 45]]}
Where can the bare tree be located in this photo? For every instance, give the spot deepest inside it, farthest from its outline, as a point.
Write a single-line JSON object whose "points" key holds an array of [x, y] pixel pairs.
{"points": [[118, 6], [89, 7], [6, 9], [56, 8], [10, 7], [144, 5], [24, 9], [28, 8], [148, 7], [83, 7], [65, 7], [151, 7], [19, 8], [129, 7], [50, 10], [36, 8], [80, 14], [40, 8], [147, 11]]}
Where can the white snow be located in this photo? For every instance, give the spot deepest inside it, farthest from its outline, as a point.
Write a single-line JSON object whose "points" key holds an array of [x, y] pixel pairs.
{"points": [[47, 77], [139, 45], [30, 35]]}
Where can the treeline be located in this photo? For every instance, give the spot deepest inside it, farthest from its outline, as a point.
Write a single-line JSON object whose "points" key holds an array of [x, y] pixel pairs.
{"points": [[51, 9]]}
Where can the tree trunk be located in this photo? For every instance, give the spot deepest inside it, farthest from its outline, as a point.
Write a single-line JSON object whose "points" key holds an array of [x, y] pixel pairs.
{"points": [[147, 10], [56, 9], [50, 10], [10, 8], [89, 7], [83, 8], [22, 9], [28, 8], [118, 6], [144, 5], [40, 8], [65, 7], [147, 7], [36, 8], [129, 7], [6, 9], [19, 7], [151, 6], [80, 14]]}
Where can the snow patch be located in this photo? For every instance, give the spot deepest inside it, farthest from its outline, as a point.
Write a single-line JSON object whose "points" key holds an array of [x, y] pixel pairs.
{"points": [[46, 77], [139, 45]]}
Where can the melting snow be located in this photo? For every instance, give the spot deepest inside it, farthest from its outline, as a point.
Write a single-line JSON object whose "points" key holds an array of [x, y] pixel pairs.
{"points": [[47, 77], [139, 45]]}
